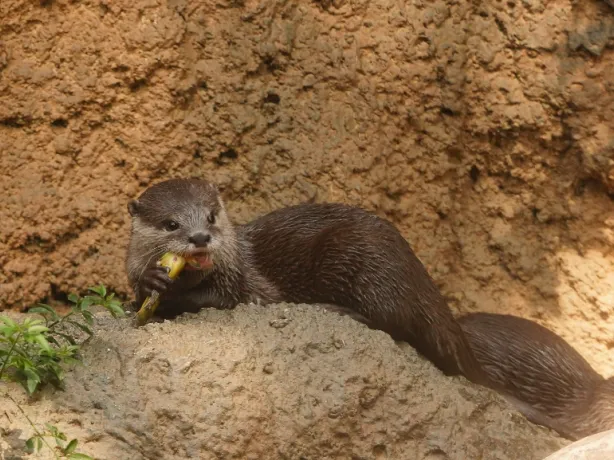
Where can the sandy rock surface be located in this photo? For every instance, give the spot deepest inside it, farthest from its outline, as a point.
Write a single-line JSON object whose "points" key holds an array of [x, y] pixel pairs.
{"points": [[282, 382], [596, 447]]}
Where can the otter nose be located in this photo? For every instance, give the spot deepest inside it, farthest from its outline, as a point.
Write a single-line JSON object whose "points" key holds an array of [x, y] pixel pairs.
{"points": [[200, 239]]}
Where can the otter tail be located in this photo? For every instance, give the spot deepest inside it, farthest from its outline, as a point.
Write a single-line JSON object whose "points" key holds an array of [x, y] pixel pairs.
{"points": [[447, 347]]}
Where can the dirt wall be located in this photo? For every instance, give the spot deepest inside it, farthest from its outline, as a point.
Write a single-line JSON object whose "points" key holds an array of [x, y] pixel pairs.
{"points": [[483, 129]]}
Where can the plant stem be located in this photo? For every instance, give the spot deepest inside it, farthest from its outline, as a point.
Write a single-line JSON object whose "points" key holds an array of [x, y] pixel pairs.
{"points": [[6, 360], [8, 396], [38, 433], [60, 321], [8, 355]]}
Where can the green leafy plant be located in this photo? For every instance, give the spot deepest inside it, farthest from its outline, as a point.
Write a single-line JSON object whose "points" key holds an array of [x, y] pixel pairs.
{"points": [[80, 309], [68, 450], [36, 442], [27, 356], [34, 352]]}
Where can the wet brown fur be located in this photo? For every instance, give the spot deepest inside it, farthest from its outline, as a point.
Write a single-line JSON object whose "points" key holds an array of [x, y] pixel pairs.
{"points": [[542, 375], [311, 253], [345, 256]]}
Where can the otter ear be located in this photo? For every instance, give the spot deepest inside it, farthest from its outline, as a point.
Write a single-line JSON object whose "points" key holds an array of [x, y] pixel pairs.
{"points": [[133, 207]]}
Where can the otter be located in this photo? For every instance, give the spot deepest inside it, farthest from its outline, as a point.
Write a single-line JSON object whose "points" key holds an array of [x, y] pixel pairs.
{"points": [[342, 257], [187, 217], [541, 374]]}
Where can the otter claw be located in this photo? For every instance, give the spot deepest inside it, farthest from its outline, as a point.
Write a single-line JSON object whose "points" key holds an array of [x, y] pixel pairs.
{"points": [[161, 267], [155, 278]]}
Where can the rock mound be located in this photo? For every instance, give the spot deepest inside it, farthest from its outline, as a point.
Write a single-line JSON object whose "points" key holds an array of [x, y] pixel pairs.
{"points": [[281, 382]]}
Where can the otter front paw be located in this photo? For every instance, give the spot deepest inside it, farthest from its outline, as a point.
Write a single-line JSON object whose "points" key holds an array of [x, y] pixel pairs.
{"points": [[154, 278]]}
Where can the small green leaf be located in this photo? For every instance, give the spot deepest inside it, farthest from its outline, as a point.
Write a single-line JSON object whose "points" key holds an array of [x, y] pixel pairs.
{"points": [[37, 329], [89, 318], [44, 309], [56, 375], [29, 370], [30, 444], [39, 443], [78, 456], [8, 321], [87, 301], [30, 322], [83, 327], [100, 290], [74, 298], [42, 341], [39, 310], [72, 445], [31, 385], [115, 308]]}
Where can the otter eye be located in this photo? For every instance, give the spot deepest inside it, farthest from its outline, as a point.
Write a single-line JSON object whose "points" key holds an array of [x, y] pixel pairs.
{"points": [[170, 225], [211, 218]]}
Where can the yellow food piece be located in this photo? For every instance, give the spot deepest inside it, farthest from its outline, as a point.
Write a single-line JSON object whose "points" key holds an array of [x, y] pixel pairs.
{"points": [[193, 262], [176, 264]]}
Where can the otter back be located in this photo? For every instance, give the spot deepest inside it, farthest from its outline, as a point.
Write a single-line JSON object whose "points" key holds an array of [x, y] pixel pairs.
{"points": [[342, 255]]}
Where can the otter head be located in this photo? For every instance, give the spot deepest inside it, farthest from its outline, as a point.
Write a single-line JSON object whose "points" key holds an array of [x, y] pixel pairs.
{"points": [[183, 216]]}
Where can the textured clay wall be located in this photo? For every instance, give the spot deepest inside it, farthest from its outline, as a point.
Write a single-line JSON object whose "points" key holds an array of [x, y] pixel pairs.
{"points": [[484, 130]]}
